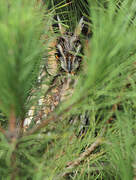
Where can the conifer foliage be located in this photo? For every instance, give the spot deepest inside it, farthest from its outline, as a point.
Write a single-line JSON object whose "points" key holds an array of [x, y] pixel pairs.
{"points": [[106, 90]]}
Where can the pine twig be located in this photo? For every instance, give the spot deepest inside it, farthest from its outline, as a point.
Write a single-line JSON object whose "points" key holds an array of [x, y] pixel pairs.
{"points": [[76, 162], [12, 136], [2, 131], [87, 152]]}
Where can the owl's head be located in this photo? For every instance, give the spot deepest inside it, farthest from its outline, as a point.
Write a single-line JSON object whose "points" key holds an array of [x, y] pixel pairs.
{"points": [[69, 49]]}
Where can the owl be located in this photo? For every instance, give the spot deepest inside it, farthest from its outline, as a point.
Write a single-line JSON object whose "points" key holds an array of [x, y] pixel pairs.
{"points": [[64, 61]]}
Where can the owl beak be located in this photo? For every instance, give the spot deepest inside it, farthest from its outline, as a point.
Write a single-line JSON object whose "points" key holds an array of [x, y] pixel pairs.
{"points": [[69, 66]]}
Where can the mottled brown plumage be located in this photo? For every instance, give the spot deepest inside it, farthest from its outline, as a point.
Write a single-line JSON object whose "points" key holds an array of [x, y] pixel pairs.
{"points": [[64, 60]]}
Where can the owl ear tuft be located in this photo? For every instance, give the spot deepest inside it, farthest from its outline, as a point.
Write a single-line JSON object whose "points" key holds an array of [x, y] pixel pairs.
{"points": [[79, 27], [83, 27], [61, 27]]}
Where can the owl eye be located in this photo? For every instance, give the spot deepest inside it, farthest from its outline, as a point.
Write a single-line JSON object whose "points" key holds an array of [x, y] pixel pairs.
{"points": [[77, 42], [78, 59], [56, 56]]}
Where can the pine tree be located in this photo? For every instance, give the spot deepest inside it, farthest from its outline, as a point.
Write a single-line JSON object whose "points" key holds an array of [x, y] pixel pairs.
{"points": [[106, 89]]}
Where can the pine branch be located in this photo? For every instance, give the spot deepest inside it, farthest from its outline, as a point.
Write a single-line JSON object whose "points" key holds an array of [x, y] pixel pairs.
{"points": [[71, 165], [2, 131]]}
